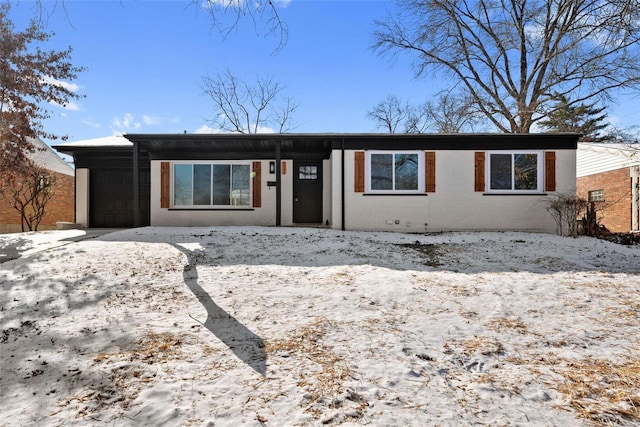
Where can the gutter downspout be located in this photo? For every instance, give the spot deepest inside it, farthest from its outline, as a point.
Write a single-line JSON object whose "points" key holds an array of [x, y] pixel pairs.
{"points": [[278, 184], [75, 191], [635, 198], [342, 208]]}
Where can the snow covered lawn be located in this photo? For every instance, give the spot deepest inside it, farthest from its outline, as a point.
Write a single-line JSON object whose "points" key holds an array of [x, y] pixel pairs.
{"points": [[296, 326]]}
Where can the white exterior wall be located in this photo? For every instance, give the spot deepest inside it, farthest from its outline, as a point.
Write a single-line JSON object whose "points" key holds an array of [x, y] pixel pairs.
{"points": [[454, 206], [326, 192], [82, 197], [286, 182]]}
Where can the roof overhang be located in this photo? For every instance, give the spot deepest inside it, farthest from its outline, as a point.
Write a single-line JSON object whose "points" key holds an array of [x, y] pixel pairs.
{"points": [[232, 146], [306, 146]]}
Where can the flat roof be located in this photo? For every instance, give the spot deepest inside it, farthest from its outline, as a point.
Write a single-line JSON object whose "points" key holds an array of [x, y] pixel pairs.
{"points": [[319, 145]]}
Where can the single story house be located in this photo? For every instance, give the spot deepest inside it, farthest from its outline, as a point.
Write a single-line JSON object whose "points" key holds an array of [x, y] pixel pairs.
{"points": [[386, 182], [609, 175], [61, 206]]}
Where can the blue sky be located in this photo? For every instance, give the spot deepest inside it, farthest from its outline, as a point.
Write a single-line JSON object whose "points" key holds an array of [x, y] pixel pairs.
{"points": [[145, 62]]}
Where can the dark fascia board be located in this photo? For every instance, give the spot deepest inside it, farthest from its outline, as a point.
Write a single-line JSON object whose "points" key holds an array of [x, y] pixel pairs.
{"points": [[235, 155], [319, 142], [71, 150], [502, 141], [306, 145], [231, 146]]}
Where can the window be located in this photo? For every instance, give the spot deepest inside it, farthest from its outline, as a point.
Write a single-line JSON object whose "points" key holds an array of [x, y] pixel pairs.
{"points": [[398, 171], [596, 196], [211, 184], [308, 172], [515, 172]]}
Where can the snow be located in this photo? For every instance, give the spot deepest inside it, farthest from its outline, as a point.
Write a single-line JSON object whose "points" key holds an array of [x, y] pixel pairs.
{"points": [[107, 141], [301, 326]]}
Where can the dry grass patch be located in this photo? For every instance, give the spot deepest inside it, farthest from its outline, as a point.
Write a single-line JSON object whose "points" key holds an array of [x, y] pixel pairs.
{"points": [[602, 391], [123, 375], [150, 349], [324, 382], [625, 313], [484, 345], [501, 323]]}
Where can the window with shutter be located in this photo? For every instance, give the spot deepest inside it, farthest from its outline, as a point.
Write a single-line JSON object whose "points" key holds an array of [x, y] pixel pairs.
{"points": [[208, 184], [514, 172]]}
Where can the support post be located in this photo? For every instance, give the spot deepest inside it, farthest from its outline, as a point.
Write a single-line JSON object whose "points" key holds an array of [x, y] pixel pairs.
{"points": [[136, 185], [278, 184], [342, 198]]}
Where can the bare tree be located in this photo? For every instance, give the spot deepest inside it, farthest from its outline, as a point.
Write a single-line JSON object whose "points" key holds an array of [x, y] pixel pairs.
{"points": [[31, 79], [629, 136], [227, 16], [448, 113], [29, 191], [514, 57], [390, 113], [245, 108]]}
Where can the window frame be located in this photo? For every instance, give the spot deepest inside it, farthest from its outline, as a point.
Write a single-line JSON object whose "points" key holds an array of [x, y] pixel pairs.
{"points": [[540, 169], [393, 153], [211, 164], [596, 195]]}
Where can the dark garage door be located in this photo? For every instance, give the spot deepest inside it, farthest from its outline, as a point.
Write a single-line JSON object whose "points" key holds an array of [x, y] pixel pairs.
{"points": [[111, 197], [111, 194]]}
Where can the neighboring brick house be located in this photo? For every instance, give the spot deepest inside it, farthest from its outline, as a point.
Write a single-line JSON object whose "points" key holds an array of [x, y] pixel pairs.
{"points": [[60, 208], [609, 174]]}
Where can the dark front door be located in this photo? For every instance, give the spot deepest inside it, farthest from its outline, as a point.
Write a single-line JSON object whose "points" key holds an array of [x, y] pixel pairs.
{"points": [[307, 191]]}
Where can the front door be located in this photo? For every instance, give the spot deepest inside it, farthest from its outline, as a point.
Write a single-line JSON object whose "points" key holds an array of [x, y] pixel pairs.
{"points": [[307, 191]]}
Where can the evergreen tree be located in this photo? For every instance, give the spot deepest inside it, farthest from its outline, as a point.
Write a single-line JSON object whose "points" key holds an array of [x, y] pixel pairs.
{"points": [[585, 119]]}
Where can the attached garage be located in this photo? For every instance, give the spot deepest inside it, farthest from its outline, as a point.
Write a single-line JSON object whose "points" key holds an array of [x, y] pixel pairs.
{"points": [[105, 176]]}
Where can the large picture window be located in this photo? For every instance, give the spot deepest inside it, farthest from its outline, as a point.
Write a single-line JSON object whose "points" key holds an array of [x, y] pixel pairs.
{"points": [[516, 171], [211, 184], [395, 172]]}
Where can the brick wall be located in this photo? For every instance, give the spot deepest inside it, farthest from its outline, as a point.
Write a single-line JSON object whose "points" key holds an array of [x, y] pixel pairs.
{"points": [[60, 208], [615, 211]]}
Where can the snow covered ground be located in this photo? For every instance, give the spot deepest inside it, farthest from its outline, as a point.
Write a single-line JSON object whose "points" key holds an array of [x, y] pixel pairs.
{"points": [[298, 326]]}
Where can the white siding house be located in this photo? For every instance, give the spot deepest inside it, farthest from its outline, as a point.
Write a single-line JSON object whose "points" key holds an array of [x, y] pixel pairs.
{"points": [[386, 182]]}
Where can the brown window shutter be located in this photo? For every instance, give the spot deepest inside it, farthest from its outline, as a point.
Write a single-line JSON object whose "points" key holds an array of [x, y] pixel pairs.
{"points": [[479, 171], [550, 171], [165, 184], [257, 184], [359, 172], [430, 172]]}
